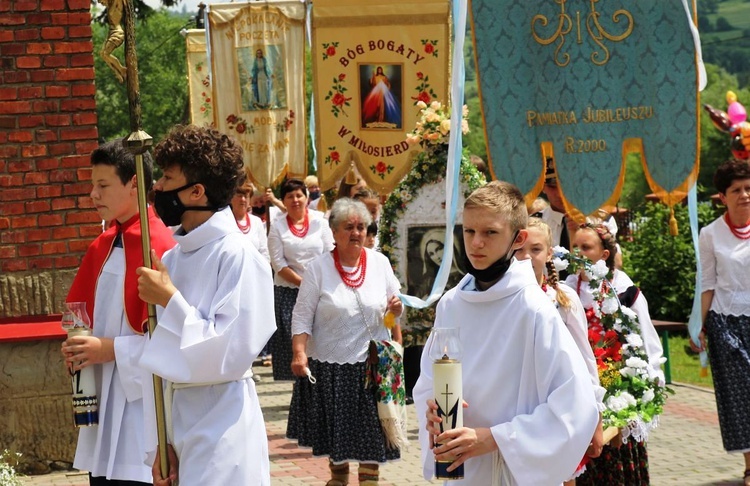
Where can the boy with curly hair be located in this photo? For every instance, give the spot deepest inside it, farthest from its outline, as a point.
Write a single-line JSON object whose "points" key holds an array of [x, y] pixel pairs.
{"points": [[214, 298]]}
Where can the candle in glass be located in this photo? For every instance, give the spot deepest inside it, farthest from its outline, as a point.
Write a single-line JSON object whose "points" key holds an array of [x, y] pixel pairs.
{"points": [[85, 404], [445, 352]]}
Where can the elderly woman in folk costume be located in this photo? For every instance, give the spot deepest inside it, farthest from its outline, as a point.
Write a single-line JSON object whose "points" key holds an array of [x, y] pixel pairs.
{"points": [[347, 299], [725, 305], [624, 464], [294, 241]]}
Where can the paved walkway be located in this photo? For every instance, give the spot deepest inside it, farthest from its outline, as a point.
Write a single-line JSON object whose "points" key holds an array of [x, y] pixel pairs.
{"points": [[685, 450]]}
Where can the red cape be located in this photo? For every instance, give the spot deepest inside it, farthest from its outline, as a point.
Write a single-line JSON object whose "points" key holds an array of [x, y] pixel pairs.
{"points": [[87, 278]]}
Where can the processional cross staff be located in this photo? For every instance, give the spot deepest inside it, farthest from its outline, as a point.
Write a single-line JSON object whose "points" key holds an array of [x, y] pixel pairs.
{"points": [[138, 142]]}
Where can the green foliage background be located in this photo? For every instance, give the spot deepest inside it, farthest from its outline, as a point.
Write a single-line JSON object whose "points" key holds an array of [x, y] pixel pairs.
{"points": [[662, 265], [163, 78]]}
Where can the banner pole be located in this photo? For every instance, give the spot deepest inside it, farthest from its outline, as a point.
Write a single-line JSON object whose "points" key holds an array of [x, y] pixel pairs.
{"points": [[138, 142]]}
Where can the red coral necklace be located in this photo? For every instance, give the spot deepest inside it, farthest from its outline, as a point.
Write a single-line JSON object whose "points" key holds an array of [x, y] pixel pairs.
{"points": [[299, 233], [245, 226], [737, 231], [356, 277]]}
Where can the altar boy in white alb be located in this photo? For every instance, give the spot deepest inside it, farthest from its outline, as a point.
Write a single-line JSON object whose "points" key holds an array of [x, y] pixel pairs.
{"points": [[530, 407], [214, 296]]}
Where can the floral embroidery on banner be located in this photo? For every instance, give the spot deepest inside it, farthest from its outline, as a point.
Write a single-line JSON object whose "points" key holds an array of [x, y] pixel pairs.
{"points": [[329, 49], [381, 169], [430, 47], [337, 96], [425, 93]]}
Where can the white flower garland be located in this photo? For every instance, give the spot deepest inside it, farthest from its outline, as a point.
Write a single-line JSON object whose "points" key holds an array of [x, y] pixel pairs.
{"points": [[634, 396]]}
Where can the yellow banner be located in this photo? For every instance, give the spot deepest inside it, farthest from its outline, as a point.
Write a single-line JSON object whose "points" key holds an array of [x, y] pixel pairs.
{"points": [[372, 62], [258, 73], [199, 80]]}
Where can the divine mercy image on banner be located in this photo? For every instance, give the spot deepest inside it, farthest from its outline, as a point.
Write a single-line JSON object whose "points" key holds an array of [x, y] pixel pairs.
{"points": [[381, 96], [261, 77]]}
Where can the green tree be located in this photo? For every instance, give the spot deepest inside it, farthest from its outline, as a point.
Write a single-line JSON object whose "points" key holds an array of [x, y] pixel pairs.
{"points": [[163, 83], [661, 265]]}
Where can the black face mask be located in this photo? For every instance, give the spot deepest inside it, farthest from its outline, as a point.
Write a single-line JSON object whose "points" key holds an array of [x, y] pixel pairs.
{"points": [[314, 195], [169, 207], [494, 272], [259, 210]]}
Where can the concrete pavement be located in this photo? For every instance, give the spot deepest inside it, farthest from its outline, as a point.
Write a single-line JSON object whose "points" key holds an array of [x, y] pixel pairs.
{"points": [[685, 450]]}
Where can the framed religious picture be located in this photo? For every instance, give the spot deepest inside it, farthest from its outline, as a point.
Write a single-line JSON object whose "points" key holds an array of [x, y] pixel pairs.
{"points": [[381, 96], [261, 77], [424, 254]]}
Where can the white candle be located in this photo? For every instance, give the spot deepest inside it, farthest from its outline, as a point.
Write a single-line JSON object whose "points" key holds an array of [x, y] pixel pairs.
{"points": [[85, 403], [445, 352]]}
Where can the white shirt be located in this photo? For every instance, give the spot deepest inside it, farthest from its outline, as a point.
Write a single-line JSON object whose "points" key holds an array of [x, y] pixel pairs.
{"points": [[257, 235], [523, 378], [330, 312], [115, 448], [651, 341], [294, 252], [575, 321], [725, 267], [554, 220], [208, 335]]}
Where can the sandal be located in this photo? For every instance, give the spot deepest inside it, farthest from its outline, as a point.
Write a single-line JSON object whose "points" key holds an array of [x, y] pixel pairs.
{"points": [[746, 477]]}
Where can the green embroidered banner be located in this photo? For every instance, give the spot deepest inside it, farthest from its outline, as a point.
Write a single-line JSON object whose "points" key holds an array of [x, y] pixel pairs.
{"points": [[585, 82]]}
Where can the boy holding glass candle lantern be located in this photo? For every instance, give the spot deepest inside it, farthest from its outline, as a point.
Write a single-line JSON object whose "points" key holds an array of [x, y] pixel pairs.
{"points": [[106, 282], [529, 406]]}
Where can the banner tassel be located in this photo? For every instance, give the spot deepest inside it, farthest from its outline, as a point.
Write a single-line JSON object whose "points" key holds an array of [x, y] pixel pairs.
{"points": [[672, 223]]}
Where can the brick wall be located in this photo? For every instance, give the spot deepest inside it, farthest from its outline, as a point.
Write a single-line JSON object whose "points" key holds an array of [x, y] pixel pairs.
{"points": [[47, 131]]}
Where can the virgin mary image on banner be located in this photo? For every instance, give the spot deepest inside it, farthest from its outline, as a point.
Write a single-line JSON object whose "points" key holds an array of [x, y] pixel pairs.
{"points": [[381, 95], [261, 78], [424, 255]]}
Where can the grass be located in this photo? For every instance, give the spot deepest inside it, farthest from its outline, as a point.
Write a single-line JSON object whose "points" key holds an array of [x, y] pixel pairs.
{"points": [[685, 366], [737, 12]]}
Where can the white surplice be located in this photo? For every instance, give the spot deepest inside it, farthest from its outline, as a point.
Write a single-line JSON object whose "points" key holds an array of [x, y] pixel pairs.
{"points": [[523, 378], [574, 318], [114, 449], [208, 336]]}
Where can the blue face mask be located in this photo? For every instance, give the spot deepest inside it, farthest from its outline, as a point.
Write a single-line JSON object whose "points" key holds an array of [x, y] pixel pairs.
{"points": [[170, 209]]}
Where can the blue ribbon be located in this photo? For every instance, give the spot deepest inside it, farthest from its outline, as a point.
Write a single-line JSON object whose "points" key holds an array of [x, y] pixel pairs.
{"points": [[695, 323], [453, 167], [311, 124]]}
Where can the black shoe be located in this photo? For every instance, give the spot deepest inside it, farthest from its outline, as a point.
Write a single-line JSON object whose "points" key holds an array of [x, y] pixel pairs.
{"points": [[409, 400]]}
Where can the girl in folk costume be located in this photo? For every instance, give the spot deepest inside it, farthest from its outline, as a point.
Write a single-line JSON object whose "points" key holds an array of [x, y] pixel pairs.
{"points": [[619, 464], [538, 249], [294, 241]]}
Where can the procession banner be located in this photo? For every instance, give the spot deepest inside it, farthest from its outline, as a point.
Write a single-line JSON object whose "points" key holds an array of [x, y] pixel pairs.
{"points": [[584, 83], [373, 60], [199, 80], [257, 56]]}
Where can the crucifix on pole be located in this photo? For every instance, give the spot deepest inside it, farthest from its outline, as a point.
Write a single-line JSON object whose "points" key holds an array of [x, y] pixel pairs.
{"points": [[138, 142]]}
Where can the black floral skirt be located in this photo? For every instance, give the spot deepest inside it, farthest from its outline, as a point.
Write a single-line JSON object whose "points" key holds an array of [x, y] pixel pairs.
{"points": [[338, 416], [626, 465], [280, 344], [729, 354]]}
